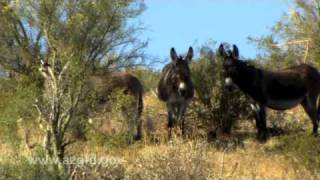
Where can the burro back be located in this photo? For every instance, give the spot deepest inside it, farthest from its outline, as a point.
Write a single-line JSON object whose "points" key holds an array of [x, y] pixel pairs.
{"points": [[107, 84], [175, 88]]}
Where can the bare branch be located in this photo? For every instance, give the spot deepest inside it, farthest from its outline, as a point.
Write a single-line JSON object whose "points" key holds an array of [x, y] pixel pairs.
{"points": [[304, 42], [64, 69]]}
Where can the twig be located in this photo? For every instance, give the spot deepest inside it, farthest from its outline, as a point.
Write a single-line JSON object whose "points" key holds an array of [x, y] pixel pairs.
{"points": [[306, 43], [222, 161]]}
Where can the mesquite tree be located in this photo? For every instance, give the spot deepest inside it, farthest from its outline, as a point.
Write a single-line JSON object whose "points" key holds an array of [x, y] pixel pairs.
{"points": [[72, 39], [294, 39]]}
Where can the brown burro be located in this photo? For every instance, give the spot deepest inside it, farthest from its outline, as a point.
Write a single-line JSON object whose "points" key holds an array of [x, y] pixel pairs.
{"points": [[106, 85], [279, 90]]}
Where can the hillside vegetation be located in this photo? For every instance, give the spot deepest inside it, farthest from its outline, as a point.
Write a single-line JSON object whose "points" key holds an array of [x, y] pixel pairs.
{"points": [[52, 128]]}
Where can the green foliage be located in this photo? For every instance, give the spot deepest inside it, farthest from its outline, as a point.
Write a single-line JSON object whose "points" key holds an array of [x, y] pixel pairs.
{"points": [[214, 106], [20, 168], [116, 140], [297, 27], [96, 30], [303, 149], [124, 106], [119, 110], [119, 101], [72, 38], [16, 104], [148, 77]]}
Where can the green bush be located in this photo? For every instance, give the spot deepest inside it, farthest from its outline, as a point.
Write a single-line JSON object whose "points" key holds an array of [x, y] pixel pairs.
{"points": [[303, 149], [116, 140], [114, 121], [213, 105], [16, 104], [149, 78], [17, 167]]}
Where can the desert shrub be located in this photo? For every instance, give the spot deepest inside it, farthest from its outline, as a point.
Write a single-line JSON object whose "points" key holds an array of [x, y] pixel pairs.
{"points": [[125, 108], [78, 129], [99, 138], [154, 119], [114, 120], [148, 77], [16, 104], [176, 161], [293, 121], [39, 166], [109, 168], [213, 105], [18, 167], [303, 150], [120, 102]]}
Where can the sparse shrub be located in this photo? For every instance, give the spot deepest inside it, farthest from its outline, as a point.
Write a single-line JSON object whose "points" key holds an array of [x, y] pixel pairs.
{"points": [[293, 121], [16, 103], [214, 106], [116, 140], [149, 78], [176, 161], [125, 108], [155, 123], [114, 120], [39, 166], [303, 150], [107, 168], [121, 103], [20, 168]]}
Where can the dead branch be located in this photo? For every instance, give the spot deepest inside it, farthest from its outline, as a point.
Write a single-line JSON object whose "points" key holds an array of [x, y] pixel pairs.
{"points": [[304, 42]]}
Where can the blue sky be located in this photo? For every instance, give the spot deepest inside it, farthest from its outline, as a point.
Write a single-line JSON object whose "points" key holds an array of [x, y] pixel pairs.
{"points": [[184, 23]]}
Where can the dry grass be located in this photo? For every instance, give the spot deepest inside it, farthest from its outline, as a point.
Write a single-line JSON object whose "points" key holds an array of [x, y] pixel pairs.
{"points": [[157, 158], [199, 160], [195, 160]]}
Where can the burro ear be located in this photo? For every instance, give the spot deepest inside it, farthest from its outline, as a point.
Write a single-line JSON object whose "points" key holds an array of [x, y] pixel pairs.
{"points": [[189, 54], [235, 52], [173, 54], [221, 51]]}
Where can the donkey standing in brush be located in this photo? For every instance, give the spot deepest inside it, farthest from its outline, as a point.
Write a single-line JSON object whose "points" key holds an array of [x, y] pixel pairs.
{"points": [[176, 88], [105, 85], [280, 90]]}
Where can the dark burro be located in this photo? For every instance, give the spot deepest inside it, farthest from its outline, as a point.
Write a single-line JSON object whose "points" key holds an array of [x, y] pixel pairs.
{"points": [[176, 89], [276, 90], [105, 85]]}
